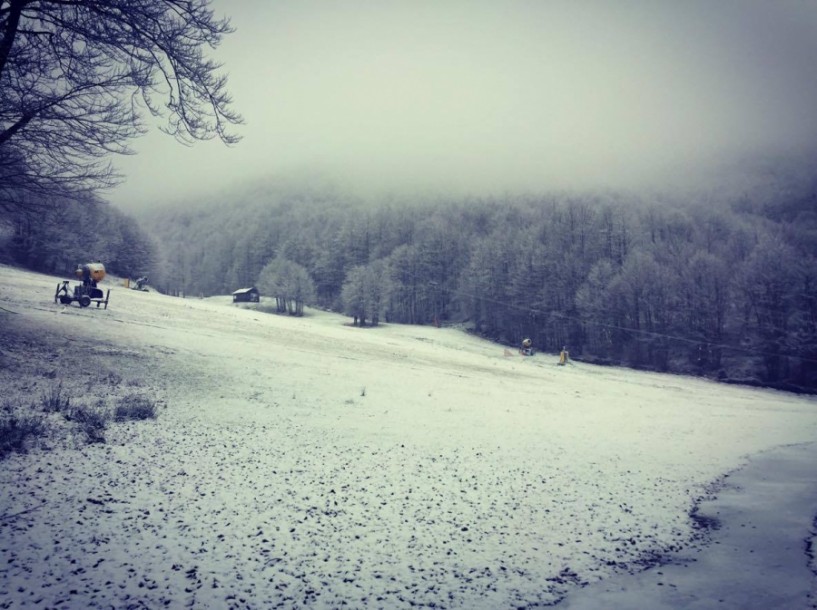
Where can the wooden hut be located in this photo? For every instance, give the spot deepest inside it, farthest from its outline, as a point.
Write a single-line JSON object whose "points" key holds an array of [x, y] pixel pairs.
{"points": [[246, 295]]}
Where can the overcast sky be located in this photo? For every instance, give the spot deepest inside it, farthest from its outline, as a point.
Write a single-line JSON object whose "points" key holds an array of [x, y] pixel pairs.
{"points": [[475, 97]]}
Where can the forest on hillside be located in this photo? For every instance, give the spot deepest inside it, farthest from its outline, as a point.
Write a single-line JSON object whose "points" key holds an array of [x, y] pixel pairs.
{"points": [[62, 232], [722, 285]]}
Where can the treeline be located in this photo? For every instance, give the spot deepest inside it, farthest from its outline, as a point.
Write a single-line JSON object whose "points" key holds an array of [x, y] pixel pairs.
{"points": [[61, 233], [719, 286]]}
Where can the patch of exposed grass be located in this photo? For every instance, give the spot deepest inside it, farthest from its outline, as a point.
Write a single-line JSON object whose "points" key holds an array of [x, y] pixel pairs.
{"points": [[92, 421], [54, 399], [61, 391], [135, 407], [16, 430]]}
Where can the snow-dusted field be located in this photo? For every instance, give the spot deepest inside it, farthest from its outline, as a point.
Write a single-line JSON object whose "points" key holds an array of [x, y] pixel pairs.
{"points": [[305, 463]]}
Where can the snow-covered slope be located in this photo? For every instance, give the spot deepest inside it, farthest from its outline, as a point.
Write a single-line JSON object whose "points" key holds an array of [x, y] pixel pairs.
{"points": [[306, 463]]}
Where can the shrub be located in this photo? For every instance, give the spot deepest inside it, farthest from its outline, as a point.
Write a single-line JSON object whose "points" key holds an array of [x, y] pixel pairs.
{"points": [[15, 430], [135, 407]]}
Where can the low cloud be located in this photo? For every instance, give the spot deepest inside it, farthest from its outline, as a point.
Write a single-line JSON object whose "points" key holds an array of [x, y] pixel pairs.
{"points": [[476, 97]]}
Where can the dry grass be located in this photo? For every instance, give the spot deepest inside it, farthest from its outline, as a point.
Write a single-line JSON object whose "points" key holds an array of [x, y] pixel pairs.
{"points": [[16, 430], [135, 407], [59, 392]]}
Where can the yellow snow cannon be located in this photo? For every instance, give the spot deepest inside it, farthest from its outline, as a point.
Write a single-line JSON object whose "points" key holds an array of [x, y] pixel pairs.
{"points": [[94, 272]]}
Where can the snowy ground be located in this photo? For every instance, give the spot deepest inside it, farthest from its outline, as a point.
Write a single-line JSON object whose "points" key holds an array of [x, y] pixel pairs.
{"points": [[305, 463], [760, 553]]}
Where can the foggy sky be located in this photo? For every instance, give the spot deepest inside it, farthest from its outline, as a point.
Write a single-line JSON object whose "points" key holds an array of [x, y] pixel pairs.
{"points": [[483, 97]]}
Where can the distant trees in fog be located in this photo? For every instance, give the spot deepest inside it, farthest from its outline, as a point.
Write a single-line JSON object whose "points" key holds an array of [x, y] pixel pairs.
{"points": [[365, 293], [726, 289]]}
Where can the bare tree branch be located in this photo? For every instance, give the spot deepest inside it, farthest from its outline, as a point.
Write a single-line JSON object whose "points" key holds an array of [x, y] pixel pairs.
{"points": [[76, 77]]}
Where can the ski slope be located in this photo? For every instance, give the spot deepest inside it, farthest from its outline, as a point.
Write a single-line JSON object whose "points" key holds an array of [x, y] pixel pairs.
{"points": [[301, 462]]}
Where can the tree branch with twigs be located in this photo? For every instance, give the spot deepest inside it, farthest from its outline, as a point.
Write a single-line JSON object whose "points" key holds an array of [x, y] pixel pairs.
{"points": [[79, 77]]}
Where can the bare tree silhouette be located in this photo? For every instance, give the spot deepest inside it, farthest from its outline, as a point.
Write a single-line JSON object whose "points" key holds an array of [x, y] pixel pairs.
{"points": [[79, 77]]}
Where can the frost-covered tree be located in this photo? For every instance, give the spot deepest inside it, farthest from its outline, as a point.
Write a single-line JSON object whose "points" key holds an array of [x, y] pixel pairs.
{"points": [[69, 233], [365, 293], [289, 283], [767, 281], [409, 296]]}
